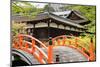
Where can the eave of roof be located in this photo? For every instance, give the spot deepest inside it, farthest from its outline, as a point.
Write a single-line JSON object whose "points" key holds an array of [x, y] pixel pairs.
{"points": [[64, 20], [56, 17], [46, 16], [68, 12]]}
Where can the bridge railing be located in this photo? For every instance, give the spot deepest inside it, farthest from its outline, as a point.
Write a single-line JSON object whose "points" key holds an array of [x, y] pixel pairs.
{"points": [[32, 48], [76, 43], [63, 40]]}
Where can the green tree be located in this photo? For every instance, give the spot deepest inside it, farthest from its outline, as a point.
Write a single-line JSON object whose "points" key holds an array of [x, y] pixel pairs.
{"points": [[18, 28], [48, 8], [25, 9]]}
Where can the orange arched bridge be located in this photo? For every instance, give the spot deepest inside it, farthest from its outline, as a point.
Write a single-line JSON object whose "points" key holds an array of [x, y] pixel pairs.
{"points": [[59, 49]]}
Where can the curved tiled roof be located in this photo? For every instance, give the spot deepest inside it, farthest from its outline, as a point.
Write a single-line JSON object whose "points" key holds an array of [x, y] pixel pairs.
{"points": [[66, 14], [47, 15], [65, 20]]}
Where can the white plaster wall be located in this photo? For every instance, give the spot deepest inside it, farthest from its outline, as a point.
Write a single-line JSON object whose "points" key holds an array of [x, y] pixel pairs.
{"points": [[41, 24]]}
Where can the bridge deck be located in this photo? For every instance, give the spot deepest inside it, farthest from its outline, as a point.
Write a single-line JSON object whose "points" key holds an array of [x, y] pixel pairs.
{"points": [[66, 54]]}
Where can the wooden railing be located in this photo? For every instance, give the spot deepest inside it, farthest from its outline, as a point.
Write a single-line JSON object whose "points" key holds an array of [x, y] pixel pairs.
{"points": [[32, 48], [73, 42]]}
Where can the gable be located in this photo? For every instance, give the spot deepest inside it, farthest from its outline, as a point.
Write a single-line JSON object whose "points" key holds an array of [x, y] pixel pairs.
{"points": [[73, 16]]}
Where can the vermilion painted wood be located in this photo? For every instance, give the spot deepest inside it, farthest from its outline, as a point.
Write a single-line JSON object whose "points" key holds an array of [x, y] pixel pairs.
{"points": [[40, 55], [82, 50], [33, 47], [26, 45], [49, 58], [15, 45], [20, 41], [76, 44], [91, 51], [50, 54], [64, 40]]}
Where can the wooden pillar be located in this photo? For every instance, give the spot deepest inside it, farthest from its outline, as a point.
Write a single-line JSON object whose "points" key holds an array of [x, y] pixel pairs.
{"points": [[48, 29], [33, 30]]}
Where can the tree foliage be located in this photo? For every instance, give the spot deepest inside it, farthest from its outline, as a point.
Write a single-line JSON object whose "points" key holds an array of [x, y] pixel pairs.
{"points": [[25, 9], [48, 8], [18, 28]]}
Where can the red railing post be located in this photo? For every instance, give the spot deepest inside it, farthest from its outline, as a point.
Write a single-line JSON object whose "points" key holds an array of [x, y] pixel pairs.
{"points": [[26, 45], [33, 45], [58, 41], [20, 41], [83, 49], [64, 40], [76, 40], [40, 56], [15, 44], [70, 42], [50, 50], [91, 51]]}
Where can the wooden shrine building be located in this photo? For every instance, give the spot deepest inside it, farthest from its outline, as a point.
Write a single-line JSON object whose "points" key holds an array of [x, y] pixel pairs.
{"points": [[52, 24]]}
